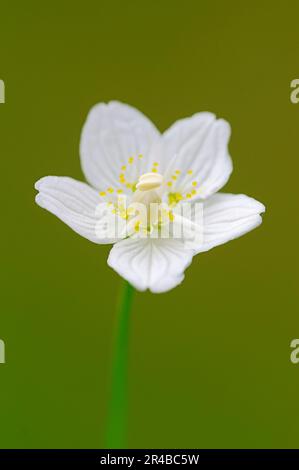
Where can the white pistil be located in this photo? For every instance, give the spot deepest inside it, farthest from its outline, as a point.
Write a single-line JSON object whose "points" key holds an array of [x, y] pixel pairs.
{"points": [[145, 195], [149, 181]]}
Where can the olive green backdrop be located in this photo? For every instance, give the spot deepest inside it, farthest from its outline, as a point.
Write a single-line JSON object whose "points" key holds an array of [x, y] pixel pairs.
{"points": [[209, 361]]}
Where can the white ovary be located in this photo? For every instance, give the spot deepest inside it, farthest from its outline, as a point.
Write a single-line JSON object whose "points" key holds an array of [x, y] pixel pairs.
{"points": [[146, 201]]}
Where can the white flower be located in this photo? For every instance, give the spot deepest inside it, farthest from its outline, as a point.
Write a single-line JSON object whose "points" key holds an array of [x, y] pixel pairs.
{"points": [[121, 150]]}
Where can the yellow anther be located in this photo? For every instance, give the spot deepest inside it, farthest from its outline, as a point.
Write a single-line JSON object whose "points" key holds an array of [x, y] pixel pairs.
{"points": [[194, 183], [188, 195], [154, 170], [174, 198], [131, 210], [131, 160], [137, 226], [193, 192], [140, 156], [102, 193], [110, 190], [156, 164], [189, 172], [178, 172], [123, 168], [119, 191], [169, 183], [171, 216], [174, 177]]}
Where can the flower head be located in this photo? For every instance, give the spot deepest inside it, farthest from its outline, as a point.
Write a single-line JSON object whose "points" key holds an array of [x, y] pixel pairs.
{"points": [[154, 196]]}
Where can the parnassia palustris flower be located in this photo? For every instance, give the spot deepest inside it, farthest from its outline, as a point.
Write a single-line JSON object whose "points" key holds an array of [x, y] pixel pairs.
{"points": [[127, 161]]}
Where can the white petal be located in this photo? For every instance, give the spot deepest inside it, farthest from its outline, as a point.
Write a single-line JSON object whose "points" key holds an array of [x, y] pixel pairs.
{"points": [[157, 264], [112, 134], [228, 216], [76, 204], [199, 144]]}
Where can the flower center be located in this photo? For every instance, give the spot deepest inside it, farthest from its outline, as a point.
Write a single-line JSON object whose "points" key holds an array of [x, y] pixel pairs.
{"points": [[146, 210], [149, 181], [146, 189], [145, 196], [177, 185]]}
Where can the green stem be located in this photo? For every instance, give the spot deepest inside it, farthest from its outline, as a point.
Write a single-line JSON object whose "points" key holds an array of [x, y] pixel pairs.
{"points": [[117, 411]]}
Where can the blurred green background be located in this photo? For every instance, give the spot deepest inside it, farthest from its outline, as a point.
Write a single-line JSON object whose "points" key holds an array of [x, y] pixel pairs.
{"points": [[209, 361]]}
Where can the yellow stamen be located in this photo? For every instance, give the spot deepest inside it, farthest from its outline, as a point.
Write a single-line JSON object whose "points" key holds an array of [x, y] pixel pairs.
{"points": [[174, 198], [171, 216]]}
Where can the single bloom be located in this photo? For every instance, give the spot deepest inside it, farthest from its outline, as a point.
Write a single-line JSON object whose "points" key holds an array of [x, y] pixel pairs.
{"points": [[129, 164]]}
